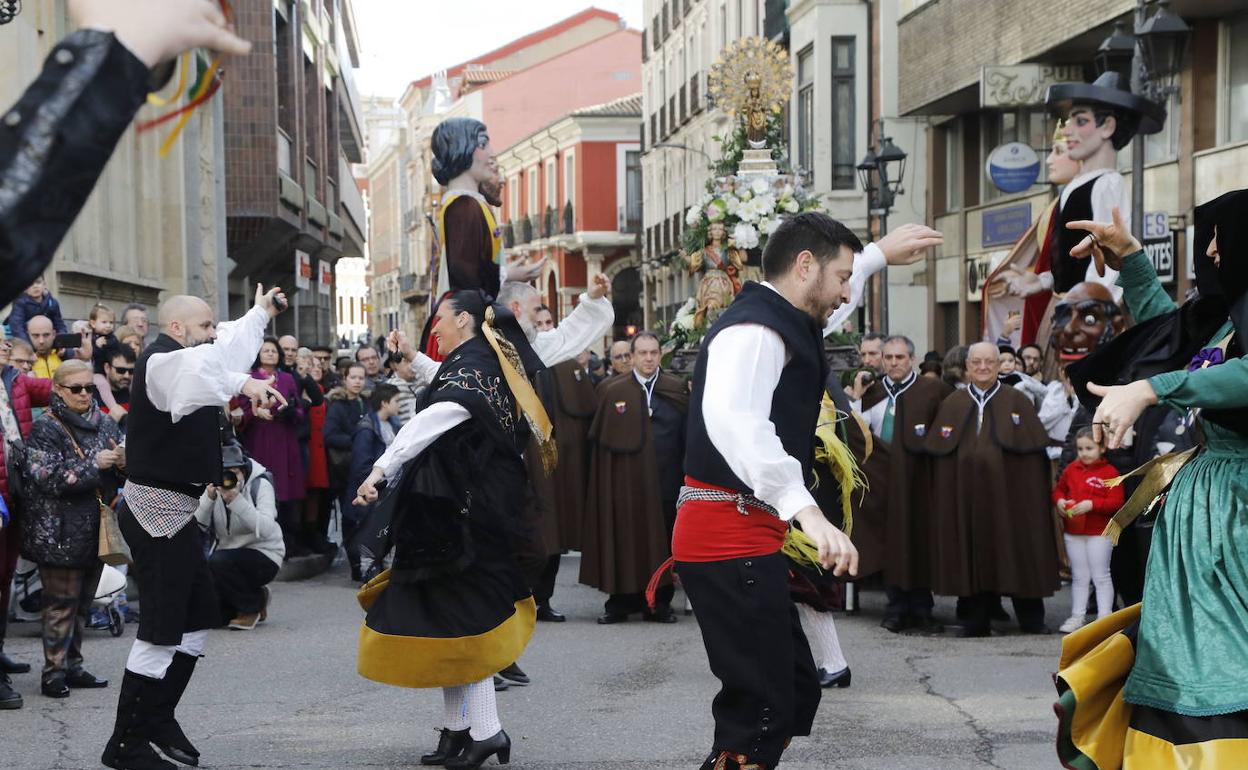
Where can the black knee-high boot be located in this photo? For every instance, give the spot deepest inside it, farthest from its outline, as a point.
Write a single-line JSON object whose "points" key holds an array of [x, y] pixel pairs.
{"points": [[166, 733], [128, 748]]}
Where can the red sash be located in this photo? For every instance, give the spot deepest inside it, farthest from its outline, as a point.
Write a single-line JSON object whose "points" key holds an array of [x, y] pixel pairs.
{"points": [[715, 531]]}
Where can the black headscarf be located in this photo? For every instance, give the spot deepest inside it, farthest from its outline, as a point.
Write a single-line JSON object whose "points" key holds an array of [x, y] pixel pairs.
{"points": [[453, 143], [1170, 341]]}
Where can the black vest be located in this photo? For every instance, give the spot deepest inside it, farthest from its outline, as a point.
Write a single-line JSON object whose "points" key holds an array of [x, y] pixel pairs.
{"points": [[183, 456], [1068, 271], [795, 403]]}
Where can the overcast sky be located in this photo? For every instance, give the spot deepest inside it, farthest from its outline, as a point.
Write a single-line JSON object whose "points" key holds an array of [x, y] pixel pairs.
{"points": [[404, 40]]}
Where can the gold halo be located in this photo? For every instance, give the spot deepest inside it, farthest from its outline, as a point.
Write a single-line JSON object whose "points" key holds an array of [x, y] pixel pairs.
{"points": [[751, 57]]}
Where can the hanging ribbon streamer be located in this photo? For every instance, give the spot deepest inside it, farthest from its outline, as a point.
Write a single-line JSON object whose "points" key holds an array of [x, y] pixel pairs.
{"points": [[206, 86]]}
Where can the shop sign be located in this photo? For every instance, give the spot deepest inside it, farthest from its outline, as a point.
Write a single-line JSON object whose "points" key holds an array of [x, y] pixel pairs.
{"points": [[1023, 85], [1004, 225], [1013, 167]]}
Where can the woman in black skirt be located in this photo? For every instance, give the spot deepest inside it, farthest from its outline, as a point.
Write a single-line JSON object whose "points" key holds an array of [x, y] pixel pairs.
{"points": [[454, 608]]}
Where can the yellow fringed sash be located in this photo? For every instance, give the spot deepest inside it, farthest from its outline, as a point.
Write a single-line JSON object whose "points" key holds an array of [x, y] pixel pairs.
{"points": [[1158, 473], [832, 452], [528, 405]]}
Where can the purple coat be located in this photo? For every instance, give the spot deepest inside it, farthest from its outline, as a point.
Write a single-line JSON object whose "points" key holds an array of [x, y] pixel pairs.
{"points": [[275, 443]]}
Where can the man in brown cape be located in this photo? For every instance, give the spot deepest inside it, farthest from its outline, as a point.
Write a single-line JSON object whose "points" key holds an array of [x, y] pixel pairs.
{"points": [[568, 394], [992, 528], [636, 459], [900, 408]]}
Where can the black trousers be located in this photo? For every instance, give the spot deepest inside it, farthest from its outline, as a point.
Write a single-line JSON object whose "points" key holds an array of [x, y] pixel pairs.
{"points": [[912, 602], [175, 584], [544, 586], [756, 648], [978, 611], [240, 575]]}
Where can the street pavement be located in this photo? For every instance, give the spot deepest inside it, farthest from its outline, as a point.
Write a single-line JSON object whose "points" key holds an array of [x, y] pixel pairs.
{"points": [[634, 696]]}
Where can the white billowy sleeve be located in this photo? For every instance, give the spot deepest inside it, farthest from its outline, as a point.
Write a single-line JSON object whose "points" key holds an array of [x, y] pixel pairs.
{"points": [[1109, 191], [866, 264], [419, 432], [425, 368], [181, 381], [743, 367], [588, 322]]}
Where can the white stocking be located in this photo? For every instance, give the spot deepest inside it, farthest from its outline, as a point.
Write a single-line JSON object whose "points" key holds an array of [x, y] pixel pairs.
{"points": [[482, 710], [825, 645], [455, 701]]}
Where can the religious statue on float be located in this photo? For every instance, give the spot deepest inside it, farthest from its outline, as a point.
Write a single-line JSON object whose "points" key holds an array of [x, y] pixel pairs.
{"points": [[752, 189]]}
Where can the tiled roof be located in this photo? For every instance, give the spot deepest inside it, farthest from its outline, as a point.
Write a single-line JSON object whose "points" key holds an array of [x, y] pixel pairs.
{"points": [[624, 107]]}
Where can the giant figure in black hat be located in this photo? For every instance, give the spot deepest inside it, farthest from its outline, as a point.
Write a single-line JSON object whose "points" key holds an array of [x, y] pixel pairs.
{"points": [[1101, 118]]}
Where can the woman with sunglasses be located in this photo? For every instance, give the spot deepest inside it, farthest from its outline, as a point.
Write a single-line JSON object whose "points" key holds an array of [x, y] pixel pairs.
{"points": [[75, 461]]}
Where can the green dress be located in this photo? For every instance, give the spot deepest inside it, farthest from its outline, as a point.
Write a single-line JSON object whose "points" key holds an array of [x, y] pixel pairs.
{"points": [[1190, 654]]}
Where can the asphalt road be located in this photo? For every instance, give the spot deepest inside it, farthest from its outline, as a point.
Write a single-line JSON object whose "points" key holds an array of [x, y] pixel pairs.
{"points": [[634, 696]]}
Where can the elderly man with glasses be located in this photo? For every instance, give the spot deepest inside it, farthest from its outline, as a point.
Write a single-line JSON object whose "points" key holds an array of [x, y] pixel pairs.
{"points": [[621, 357]]}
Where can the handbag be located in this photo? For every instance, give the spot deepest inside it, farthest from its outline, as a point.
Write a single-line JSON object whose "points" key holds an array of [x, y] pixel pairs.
{"points": [[113, 549]]}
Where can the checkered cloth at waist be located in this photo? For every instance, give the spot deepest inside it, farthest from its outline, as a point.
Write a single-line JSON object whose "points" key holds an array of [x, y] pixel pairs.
{"points": [[161, 512], [742, 500]]}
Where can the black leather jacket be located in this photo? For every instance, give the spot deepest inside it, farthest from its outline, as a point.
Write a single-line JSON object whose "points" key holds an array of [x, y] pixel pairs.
{"points": [[54, 144]]}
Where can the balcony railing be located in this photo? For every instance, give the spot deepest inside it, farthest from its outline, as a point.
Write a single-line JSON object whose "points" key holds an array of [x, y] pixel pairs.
{"points": [[569, 219], [526, 230], [509, 235]]}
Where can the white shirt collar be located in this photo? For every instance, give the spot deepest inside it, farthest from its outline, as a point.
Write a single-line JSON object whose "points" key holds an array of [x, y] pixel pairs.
{"points": [[470, 193], [1081, 180], [644, 380]]}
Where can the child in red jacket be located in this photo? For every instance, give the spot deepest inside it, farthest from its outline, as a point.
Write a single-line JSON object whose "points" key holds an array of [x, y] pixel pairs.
{"points": [[1088, 505]]}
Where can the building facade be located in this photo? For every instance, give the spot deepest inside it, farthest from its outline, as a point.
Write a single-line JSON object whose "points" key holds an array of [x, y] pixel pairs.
{"points": [[292, 133], [572, 195], [950, 81], [153, 226], [587, 59]]}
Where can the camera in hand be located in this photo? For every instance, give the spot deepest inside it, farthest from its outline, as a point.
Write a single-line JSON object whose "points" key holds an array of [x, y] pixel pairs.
{"points": [[234, 462]]}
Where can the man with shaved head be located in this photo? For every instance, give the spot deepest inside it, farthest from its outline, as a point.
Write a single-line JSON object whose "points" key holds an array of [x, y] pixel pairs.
{"points": [[47, 358], [180, 385], [993, 531]]}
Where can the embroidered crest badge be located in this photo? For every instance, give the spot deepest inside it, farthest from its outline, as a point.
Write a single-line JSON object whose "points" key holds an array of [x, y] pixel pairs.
{"points": [[946, 431], [920, 430], [621, 407], [1016, 418]]}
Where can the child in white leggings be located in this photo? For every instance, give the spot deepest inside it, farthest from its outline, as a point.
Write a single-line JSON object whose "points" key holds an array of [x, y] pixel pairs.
{"points": [[1088, 505]]}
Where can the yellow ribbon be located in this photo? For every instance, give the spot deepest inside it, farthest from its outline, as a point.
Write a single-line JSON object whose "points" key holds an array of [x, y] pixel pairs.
{"points": [[1158, 474], [184, 66], [832, 452], [204, 84], [528, 405]]}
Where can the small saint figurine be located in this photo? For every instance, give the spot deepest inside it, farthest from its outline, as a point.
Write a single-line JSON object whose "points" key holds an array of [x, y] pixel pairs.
{"points": [[721, 266]]}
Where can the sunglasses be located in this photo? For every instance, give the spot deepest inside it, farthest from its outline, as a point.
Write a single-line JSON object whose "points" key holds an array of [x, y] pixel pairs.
{"points": [[77, 390], [123, 369]]}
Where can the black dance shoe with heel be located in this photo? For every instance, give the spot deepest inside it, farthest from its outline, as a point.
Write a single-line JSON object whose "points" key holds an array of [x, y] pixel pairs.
{"points": [[476, 754], [450, 745]]}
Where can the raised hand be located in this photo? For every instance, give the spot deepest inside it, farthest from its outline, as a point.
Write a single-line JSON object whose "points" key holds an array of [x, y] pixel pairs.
{"points": [[1121, 406], [159, 30], [599, 287], [1106, 243], [273, 301], [908, 243]]}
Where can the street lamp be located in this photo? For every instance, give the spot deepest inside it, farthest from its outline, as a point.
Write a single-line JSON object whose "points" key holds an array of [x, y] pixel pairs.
{"points": [[1163, 42], [881, 172], [1156, 57]]}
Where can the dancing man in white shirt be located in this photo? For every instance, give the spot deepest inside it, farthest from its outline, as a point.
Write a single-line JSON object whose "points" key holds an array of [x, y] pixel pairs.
{"points": [[751, 440], [181, 383]]}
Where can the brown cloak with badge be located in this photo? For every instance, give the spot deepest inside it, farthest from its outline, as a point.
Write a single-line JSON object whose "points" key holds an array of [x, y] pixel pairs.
{"points": [[568, 393], [993, 530], [624, 537], [908, 529]]}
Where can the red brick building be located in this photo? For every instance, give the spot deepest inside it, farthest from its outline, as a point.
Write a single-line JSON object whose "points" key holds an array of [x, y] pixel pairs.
{"points": [[573, 195]]}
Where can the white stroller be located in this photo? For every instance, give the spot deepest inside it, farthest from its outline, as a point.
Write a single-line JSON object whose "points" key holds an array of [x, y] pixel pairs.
{"points": [[28, 595]]}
